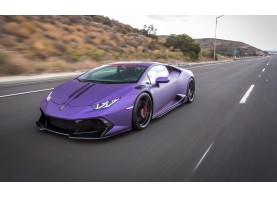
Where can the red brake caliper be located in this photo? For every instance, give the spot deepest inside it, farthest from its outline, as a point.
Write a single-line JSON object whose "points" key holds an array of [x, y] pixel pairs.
{"points": [[144, 110]]}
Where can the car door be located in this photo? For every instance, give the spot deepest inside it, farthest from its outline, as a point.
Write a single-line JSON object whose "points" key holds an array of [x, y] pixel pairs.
{"points": [[162, 93]]}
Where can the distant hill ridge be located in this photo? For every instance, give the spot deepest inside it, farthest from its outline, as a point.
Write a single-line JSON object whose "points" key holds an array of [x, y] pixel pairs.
{"points": [[226, 47]]}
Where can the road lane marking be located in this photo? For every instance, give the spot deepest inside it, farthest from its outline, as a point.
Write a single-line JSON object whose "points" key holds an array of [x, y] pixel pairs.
{"points": [[244, 98], [267, 64], [21, 93], [263, 69], [200, 161]]}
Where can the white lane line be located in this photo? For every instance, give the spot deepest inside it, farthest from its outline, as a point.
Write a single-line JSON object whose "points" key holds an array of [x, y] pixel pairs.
{"points": [[244, 98], [21, 93], [263, 70], [200, 161], [267, 63]]}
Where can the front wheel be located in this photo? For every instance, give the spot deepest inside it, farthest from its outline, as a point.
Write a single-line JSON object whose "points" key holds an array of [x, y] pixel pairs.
{"points": [[142, 111], [191, 90]]}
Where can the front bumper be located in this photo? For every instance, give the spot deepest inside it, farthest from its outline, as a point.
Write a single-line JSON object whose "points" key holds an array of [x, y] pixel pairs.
{"points": [[93, 128], [83, 122]]}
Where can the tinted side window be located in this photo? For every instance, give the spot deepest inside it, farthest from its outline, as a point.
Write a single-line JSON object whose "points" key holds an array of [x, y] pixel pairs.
{"points": [[157, 71]]}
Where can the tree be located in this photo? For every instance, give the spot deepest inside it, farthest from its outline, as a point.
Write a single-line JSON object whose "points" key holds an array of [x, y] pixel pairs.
{"points": [[149, 31], [185, 43]]}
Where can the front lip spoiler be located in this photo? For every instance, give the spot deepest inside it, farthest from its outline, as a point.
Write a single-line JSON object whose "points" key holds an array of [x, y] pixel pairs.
{"points": [[72, 136]]}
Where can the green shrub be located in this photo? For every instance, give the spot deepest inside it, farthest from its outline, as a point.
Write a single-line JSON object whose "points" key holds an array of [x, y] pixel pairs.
{"points": [[75, 56], [160, 54], [175, 55], [96, 54], [185, 43], [3, 58], [124, 31]]}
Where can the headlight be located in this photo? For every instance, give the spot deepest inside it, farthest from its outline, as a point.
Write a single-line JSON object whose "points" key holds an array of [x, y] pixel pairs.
{"points": [[104, 104], [48, 98]]}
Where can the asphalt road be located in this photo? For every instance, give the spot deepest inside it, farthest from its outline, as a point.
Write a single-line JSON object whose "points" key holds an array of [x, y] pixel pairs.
{"points": [[222, 136]]}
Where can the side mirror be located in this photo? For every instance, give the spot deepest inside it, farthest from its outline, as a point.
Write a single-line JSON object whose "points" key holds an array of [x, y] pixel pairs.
{"points": [[162, 80]]}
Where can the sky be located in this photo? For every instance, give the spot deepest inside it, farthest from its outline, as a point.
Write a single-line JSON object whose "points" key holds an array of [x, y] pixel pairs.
{"points": [[257, 30]]}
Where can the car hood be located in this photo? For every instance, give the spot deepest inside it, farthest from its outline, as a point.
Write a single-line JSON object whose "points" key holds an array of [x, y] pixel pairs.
{"points": [[75, 93]]}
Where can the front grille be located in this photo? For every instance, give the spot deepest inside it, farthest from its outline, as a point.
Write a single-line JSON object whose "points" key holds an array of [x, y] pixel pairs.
{"points": [[72, 127], [63, 124], [91, 125]]}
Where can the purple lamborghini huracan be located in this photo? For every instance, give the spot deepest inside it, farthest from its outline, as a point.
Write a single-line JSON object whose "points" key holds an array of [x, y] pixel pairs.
{"points": [[115, 98]]}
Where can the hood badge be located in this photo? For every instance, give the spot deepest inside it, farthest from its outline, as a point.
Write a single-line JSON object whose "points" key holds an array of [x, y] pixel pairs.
{"points": [[62, 107]]}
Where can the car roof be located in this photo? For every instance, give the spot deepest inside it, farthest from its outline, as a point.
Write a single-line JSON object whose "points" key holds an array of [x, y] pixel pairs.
{"points": [[135, 63]]}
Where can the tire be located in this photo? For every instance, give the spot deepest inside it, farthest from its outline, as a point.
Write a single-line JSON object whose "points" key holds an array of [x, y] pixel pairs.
{"points": [[191, 90], [142, 111]]}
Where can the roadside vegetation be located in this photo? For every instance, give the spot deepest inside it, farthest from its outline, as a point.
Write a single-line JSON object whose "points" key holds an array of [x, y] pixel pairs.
{"points": [[184, 43], [38, 44]]}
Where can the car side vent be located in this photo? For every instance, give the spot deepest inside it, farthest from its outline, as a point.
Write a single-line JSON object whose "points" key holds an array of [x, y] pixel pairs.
{"points": [[140, 87]]}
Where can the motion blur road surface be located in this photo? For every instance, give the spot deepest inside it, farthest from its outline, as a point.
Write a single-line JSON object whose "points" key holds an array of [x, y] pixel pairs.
{"points": [[229, 133]]}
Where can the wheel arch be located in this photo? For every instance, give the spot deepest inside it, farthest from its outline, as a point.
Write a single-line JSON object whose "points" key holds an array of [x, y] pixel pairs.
{"points": [[145, 92], [151, 96]]}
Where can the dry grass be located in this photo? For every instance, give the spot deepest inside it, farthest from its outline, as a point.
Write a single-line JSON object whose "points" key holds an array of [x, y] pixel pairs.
{"points": [[47, 27], [70, 28], [51, 30], [41, 48], [71, 38], [8, 41], [19, 19], [40, 68], [17, 30], [96, 41], [30, 27], [13, 65], [23, 33], [10, 28], [54, 34]]}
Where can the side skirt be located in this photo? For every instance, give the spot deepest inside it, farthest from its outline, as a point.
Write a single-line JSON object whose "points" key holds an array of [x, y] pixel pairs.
{"points": [[180, 99]]}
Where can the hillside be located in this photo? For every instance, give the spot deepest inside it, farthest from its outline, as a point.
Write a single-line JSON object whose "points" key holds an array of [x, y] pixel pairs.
{"points": [[35, 44], [226, 47], [38, 44]]}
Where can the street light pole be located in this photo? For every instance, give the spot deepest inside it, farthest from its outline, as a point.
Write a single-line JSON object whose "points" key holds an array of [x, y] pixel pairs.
{"points": [[215, 33]]}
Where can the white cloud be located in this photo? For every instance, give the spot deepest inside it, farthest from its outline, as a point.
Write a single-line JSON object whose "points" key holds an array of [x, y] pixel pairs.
{"points": [[182, 18]]}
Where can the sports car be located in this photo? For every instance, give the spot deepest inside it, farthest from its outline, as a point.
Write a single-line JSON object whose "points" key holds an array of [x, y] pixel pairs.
{"points": [[115, 98]]}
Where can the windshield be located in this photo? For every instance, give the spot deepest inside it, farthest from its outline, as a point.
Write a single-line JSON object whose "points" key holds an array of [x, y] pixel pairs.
{"points": [[114, 74]]}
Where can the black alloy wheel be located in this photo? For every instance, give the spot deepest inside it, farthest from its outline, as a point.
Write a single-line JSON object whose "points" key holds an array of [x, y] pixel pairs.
{"points": [[142, 111], [191, 90]]}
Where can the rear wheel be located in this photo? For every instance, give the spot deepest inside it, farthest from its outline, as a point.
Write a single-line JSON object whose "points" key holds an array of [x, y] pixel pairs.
{"points": [[142, 111], [191, 90]]}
